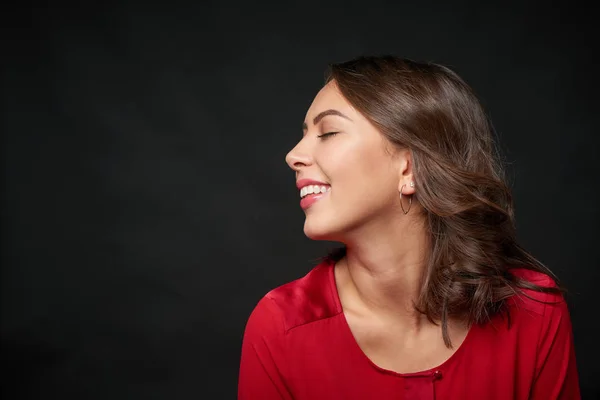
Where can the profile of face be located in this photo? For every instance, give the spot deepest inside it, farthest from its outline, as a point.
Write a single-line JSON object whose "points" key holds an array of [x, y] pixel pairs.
{"points": [[362, 171]]}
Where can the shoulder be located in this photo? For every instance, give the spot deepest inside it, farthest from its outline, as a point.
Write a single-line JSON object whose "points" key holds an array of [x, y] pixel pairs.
{"points": [[539, 309], [550, 332], [304, 300], [532, 316], [536, 278]]}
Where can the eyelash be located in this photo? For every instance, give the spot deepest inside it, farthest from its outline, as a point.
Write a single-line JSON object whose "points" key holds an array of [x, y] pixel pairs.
{"points": [[326, 135]]}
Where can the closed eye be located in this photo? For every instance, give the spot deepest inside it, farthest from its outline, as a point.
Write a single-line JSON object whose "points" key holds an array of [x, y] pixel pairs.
{"points": [[326, 135]]}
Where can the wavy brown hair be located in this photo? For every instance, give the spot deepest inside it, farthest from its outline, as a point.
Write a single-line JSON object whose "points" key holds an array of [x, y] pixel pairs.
{"points": [[460, 180]]}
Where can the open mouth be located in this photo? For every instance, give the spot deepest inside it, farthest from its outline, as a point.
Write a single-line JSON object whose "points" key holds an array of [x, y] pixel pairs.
{"points": [[314, 189], [312, 193]]}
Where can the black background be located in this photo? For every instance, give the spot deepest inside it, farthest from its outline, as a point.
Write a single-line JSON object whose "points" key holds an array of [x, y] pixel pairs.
{"points": [[147, 206]]}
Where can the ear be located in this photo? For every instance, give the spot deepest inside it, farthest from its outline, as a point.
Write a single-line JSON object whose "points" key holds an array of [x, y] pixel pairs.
{"points": [[406, 182]]}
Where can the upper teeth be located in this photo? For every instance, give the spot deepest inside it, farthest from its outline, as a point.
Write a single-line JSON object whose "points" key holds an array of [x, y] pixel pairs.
{"points": [[310, 189]]}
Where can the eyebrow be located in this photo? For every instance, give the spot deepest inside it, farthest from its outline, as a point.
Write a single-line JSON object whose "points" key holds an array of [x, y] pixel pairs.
{"points": [[322, 115]]}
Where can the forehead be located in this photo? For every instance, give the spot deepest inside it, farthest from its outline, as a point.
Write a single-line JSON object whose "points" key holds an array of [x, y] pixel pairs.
{"points": [[329, 97]]}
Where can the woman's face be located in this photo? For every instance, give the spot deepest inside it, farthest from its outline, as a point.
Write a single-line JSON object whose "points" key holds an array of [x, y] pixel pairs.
{"points": [[362, 178]]}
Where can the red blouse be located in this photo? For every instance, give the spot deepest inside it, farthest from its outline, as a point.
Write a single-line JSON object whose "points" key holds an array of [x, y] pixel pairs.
{"points": [[298, 345]]}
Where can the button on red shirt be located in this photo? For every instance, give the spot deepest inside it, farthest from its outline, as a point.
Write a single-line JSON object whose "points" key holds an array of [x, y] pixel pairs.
{"points": [[298, 345]]}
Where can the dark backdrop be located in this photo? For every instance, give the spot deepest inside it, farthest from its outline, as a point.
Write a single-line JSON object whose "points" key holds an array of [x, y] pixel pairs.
{"points": [[147, 205]]}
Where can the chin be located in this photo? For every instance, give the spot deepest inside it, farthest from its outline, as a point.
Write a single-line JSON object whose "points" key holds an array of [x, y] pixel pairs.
{"points": [[320, 231]]}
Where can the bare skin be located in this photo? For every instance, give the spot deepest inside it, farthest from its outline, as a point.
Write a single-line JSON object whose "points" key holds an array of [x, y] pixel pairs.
{"points": [[379, 278], [398, 341]]}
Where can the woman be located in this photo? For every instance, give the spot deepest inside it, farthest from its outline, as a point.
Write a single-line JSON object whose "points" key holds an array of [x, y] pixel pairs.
{"points": [[431, 297]]}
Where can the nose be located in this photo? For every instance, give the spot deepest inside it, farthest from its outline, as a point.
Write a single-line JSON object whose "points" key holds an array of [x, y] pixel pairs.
{"points": [[298, 158]]}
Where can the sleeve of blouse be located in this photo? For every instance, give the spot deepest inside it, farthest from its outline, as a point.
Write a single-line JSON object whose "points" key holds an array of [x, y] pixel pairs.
{"points": [[556, 371], [262, 361]]}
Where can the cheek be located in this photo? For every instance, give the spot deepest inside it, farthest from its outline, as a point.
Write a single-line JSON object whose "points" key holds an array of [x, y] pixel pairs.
{"points": [[368, 168], [343, 158], [361, 173], [357, 197], [363, 184]]}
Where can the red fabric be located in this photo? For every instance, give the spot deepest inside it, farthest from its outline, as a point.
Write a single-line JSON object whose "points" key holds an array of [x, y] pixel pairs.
{"points": [[298, 345]]}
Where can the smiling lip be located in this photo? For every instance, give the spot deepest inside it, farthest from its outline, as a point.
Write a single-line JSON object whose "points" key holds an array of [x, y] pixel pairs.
{"points": [[305, 182], [310, 199]]}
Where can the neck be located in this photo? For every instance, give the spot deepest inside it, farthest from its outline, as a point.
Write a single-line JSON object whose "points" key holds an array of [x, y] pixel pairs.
{"points": [[383, 274]]}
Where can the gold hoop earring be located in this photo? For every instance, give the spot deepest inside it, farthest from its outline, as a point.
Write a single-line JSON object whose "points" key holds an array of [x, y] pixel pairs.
{"points": [[409, 202]]}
